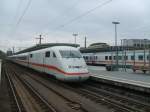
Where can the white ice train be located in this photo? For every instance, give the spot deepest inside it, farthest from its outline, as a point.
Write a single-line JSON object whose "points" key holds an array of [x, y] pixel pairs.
{"points": [[63, 62], [128, 58]]}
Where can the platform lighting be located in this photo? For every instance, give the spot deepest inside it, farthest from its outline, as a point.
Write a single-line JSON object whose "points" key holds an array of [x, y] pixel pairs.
{"points": [[116, 46]]}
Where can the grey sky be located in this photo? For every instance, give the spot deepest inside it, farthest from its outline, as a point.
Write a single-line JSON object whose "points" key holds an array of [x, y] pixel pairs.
{"points": [[47, 17]]}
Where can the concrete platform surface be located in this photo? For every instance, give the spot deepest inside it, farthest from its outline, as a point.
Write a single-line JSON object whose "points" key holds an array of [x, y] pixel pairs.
{"points": [[128, 77]]}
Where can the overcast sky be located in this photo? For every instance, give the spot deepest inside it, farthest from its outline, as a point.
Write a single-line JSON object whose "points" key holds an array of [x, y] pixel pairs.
{"points": [[21, 21]]}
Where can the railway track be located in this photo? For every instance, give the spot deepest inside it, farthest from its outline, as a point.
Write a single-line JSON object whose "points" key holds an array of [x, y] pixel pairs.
{"points": [[16, 105], [138, 102], [103, 96], [114, 100], [30, 99]]}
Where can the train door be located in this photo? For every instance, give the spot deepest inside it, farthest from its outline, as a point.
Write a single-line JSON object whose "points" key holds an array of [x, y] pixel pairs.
{"points": [[43, 59], [47, 61], [28, 59]]}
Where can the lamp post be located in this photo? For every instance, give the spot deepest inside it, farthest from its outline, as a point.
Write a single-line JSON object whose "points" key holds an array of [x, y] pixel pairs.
{"points": [[116, 47], [145, 52], [75, 35]]}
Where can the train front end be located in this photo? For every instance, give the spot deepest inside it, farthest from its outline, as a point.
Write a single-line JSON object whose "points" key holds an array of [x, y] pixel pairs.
{"points": [[74, 65]]}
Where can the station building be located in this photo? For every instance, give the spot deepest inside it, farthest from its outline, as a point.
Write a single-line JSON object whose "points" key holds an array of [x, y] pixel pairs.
{"points": [[137, 43]]}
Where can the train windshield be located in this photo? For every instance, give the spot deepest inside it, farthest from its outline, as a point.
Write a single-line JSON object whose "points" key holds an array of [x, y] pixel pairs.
{"points": [[70, 54]]}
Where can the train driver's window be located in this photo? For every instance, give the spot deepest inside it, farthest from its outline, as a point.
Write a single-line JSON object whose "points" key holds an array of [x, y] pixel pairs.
{"points": [[47, 54], [54, 55]]}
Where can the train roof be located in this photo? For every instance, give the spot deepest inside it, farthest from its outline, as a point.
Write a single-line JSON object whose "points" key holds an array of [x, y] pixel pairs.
{"points": [[55, 48], [47, 45]]}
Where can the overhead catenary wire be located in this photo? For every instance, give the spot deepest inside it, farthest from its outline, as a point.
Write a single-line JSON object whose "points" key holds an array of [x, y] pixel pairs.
{"points": [[84, 14], [17, 9], [22, 15], [73, 5]]}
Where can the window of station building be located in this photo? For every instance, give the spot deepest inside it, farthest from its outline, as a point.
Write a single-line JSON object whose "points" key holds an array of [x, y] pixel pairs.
{"points": [[31, 55], [106, 57], [132, 57], [54, 55], [110, 57], [47, 54], [140, 57]]}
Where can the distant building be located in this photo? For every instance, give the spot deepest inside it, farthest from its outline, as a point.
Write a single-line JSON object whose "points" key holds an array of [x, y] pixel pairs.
{"points": [[138, 43]]}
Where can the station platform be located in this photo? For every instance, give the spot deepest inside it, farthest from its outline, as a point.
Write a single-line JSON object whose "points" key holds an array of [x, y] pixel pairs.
{"points": [[128, 79]]}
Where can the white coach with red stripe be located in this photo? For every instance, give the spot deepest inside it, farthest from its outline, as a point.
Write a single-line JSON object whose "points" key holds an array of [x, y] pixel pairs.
{"points": [[63, 62]]}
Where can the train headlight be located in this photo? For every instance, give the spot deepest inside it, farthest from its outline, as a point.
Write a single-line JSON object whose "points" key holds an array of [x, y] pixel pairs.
{"points": [[70, 66]]}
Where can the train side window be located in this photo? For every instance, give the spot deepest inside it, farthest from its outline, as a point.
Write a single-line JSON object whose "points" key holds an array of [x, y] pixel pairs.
{"points": [[132, 57], [54, 55], [148, 57], [31, 55], [140, 57], [110, 57], [126, 57], [47, 54], [90, 57], [86, 57], [119, 57], [96, 57], [114, 57], [106, 57]]}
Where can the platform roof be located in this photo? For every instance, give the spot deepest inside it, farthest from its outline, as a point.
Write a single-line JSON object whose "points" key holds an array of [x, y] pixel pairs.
{"points": [[46, 45]]}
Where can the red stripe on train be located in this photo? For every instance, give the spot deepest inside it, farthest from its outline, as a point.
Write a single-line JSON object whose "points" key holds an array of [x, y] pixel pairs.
{"points": [[54, 68]]}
